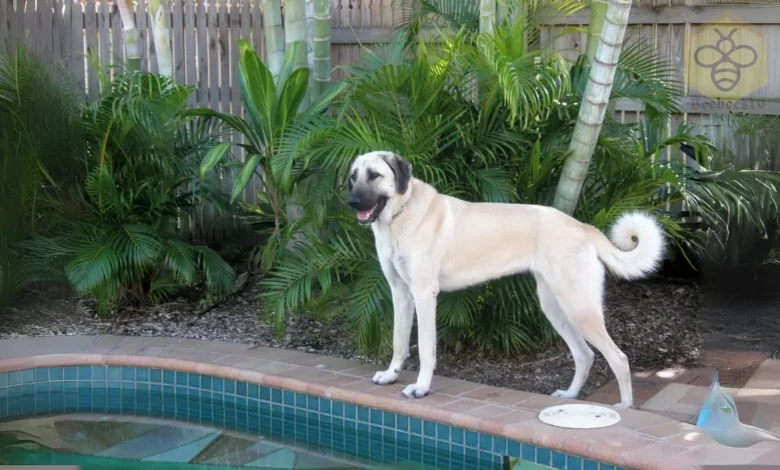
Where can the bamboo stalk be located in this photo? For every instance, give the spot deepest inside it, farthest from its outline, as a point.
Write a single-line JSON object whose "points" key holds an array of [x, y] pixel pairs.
{"points": [[320, 48], [162, 36], [131, 34]]}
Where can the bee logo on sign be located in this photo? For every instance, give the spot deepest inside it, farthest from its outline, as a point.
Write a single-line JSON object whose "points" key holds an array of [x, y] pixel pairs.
{"points": [[728, 60]]}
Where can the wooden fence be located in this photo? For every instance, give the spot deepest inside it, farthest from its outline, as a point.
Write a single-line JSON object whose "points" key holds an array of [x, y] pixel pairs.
{"points": [[204, 35]]}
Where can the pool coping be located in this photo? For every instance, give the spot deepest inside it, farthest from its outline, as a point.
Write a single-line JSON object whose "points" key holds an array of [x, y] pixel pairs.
{"points": [[640, 441]]}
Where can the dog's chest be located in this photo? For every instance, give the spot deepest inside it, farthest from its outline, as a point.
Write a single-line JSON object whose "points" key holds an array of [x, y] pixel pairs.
{"points": [[391, 250]]}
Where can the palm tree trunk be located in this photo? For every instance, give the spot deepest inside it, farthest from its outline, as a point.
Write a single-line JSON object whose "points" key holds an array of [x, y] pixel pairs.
{"points": [[131, 34], [274, 36], [320, 48], [593, 106], [162, 36]]}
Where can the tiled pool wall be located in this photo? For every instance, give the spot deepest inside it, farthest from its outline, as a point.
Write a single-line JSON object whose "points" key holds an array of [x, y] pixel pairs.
{"points": [[370, 436]]}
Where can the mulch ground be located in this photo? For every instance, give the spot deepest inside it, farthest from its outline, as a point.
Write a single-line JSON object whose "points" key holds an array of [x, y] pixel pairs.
{"points": [[654, 323]]}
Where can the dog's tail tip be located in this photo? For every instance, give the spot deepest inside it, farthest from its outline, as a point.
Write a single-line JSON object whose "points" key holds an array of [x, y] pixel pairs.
{"points": [[640, 244]]}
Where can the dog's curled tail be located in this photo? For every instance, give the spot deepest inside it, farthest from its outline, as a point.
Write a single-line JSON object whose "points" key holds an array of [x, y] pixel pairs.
{"points": [[635, 247]]}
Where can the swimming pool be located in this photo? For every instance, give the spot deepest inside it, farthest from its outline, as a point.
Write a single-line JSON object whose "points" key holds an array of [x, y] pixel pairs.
{"points": [[191, 413]]}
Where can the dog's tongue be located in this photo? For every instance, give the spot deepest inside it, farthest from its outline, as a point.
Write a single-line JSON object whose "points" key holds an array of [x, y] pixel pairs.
{"points": [[364, 215]]}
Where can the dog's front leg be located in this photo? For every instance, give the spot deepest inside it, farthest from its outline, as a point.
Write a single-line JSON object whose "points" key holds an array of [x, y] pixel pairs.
{"points": [[403, 315], [425, 303]]}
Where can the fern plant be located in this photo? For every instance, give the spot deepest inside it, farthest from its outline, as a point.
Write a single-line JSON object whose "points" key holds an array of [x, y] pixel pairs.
{"points": [[118, 236]]}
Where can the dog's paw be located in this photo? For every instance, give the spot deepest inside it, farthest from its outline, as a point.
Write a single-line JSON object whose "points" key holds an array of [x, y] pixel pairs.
{"points": [[415, 391], [384, 377], [563, 394]]}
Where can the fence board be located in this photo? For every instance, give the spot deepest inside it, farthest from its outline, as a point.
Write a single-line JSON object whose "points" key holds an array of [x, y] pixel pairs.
{"points": [[46, 29], [90, 29], [104, 32], [177, 38], [141, 22]]}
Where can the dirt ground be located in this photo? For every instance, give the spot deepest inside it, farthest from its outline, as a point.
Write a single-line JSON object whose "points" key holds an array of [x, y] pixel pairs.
{"points": [[654, 323]]}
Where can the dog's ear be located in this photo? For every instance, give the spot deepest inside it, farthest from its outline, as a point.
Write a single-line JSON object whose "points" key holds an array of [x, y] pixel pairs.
{"points": [[402, 170]]}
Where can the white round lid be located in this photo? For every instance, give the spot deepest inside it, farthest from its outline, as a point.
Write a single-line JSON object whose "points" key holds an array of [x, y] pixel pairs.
{"points": [[579, 416]]}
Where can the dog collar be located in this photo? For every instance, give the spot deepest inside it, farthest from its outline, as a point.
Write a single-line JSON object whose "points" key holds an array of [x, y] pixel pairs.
{"points": [[400, 210]]}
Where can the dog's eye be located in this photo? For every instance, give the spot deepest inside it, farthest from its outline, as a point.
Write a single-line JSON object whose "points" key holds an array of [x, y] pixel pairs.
{"points": [[353, 176], [373, 175]]}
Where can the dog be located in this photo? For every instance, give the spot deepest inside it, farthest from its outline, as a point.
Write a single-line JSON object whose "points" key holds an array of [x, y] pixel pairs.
{"points": [[429, 243]]}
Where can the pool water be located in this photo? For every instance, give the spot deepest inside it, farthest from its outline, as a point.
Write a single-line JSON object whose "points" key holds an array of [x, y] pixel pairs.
{"points": [[284, 441]]}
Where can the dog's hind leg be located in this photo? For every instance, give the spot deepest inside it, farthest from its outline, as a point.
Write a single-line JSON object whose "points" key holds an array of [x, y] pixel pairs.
{"points": [[582, 354], [403, 316], [581, 300]]}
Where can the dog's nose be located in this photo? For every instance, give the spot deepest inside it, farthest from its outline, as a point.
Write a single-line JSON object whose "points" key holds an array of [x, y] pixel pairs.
{"points": [[353, 201]]}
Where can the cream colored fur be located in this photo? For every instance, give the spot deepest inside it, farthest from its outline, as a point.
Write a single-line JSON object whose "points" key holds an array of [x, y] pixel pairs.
{"points": [[428, 243]]}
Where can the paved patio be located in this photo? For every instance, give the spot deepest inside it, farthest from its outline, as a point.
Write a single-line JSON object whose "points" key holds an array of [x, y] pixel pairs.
{"points": [[679, 393], [642, 440]]}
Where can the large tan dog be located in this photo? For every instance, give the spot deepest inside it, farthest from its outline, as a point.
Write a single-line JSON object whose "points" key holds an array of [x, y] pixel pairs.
{"points": [[428, 243]]}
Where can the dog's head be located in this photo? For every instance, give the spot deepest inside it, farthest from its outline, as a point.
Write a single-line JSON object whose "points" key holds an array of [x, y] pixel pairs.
{"points": [[375, 179]]}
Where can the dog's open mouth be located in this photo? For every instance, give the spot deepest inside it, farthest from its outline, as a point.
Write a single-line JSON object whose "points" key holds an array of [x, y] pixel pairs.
{"points": [[368, 215]]}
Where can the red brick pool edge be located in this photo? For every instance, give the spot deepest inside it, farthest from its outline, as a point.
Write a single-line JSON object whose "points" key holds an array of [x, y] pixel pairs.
{"points": [[640, 441]]}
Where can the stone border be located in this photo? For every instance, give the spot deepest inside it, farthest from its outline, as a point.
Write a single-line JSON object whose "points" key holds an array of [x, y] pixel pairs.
{"points": [[640, 441]]}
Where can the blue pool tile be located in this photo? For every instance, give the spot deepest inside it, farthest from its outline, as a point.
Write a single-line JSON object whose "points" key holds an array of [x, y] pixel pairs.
{"points": [[350, 411], [230, 386], [429, 428], [456, 434], [276, 395], [457, 449], [3, 379], [169, 377], [15, 378], [573, 462], [472, 438], [529, 453], [415, 439], [325, 405], [42, 375], [590, 465], [604, 466], [85, 372], [15, 391], [56, 373], [499, 445], [114, 373], [206, 382], [155, 375], [376, 416], [313, 403], [181, 378], [99, 372], [241, 389], [142, 374], [194, 380], [402, 436], [288, 398], [128, 373], [217, 384], [28, 376], [559, 460], [542, 456], [363, 413], [485, 442], [265, 393], [415, 425]]}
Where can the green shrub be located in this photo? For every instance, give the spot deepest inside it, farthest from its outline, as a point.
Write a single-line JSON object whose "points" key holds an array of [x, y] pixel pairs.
{"points": [[118, 238], [39, 137]]}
